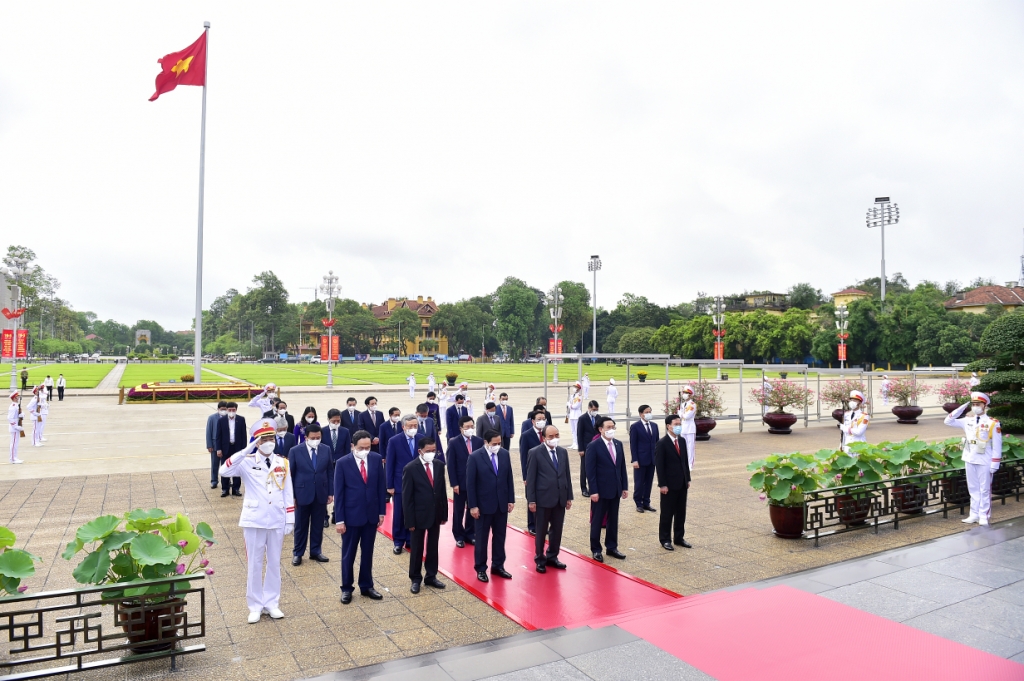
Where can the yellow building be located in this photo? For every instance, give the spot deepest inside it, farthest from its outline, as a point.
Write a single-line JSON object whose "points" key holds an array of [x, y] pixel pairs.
{"points": [[425, 309], [772, 303], [975, 300], [848, 295]]}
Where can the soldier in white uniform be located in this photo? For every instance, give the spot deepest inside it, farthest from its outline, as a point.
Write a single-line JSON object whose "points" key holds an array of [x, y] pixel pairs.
{"points": [[492, 394], [412, 385], [687, 412], [44, 411], [268, 514], [884, 390], [974, 381], [586, 386], [855, 421], [464, 391], [265, 400], [574, 408], [983, 452], [609, 395], [431, 383], [33, 415], [13, 412]]}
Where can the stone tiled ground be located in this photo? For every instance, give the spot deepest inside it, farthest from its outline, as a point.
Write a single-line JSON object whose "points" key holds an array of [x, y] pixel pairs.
{"points": [[727, 524]]}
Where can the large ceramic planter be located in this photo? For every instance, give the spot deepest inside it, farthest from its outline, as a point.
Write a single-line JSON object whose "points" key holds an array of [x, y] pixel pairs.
{"points": [[909, 498], [704, 428], [451, 382], [157, 621], [950, 407], [838, 414], [954, 489], [779, 423], [788, 521], [853, 510], [643, 379], [907, 414]]}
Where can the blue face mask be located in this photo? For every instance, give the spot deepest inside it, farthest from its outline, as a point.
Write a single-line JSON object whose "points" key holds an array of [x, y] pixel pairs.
{"points": [[677, 429]]}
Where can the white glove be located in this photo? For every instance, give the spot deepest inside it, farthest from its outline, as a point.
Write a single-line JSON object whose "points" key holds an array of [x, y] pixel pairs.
{"points": [[288, 527], [993, 467]]}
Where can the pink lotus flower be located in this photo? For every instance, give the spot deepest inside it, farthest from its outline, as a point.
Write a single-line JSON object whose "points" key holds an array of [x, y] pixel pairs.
{"points": [[792, 488], [860, 474], [204, 563], [839, 476], [182, 543], [209, 571], [180, 569], [209, 543], [762, 497], [22, 589]]}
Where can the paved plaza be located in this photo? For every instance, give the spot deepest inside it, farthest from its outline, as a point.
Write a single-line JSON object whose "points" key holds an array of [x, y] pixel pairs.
{"points": [[104, 458]]}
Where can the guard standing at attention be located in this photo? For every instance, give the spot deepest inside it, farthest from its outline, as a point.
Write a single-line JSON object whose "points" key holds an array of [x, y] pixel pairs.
{"points": [[983, 453], [855, 421], [16, 430]]}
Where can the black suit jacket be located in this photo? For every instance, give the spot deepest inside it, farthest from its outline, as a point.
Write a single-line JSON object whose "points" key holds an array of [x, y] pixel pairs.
{"points": [[673, 469], [351, 423], [527, 441], [486, 491], [585, 432], [546, 486], [605, 478], [422, 506], [282, 449], [222, 442]]}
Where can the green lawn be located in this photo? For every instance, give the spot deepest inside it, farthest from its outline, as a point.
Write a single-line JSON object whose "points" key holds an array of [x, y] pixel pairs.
{"points": [[77, 375], [137, 374]]}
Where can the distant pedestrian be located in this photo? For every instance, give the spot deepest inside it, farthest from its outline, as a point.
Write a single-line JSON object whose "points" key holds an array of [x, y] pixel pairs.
{"points": [[974, 381], [61, 384], [48, 384], [24, 379], [610, 394], [412, 385], [885, 389], [431, 382]]}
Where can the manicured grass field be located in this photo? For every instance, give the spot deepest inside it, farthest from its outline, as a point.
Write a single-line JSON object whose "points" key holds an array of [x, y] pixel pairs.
{"points": [[76, 375], [286, 374], [137, 374]]}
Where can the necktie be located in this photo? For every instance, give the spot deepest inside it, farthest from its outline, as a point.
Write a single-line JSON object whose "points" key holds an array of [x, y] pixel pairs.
{"points": [[593, 421], [268, 462], [280, 443], [611, 450], [647, 425], [676, 443], [469, 445], [412, 446], [554, 458], [494, 462], [492, 419], [362, 469], [430, 476], [312, 455]]}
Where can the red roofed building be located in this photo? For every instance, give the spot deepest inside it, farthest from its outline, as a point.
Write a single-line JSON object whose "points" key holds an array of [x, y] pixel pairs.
{"points": [[975, 300], [425, 309]]}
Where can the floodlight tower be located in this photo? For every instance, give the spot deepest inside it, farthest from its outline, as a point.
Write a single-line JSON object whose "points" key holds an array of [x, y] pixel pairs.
{"points": [[16, 271], [555, 301], [330, 289], [881, 214], [594, 265]]}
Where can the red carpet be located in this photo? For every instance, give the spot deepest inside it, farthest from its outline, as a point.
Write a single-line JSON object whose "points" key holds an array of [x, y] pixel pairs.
{"points": [[783, 634], [583, 593]]}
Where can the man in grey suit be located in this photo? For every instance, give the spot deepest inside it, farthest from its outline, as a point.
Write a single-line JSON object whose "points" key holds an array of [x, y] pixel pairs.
{"points": [[549, 494], [488, 420]]}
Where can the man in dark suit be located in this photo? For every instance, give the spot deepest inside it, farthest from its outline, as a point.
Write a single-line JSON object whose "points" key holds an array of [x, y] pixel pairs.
{"points": [[390, 428], [310, 471], [542, 405], [359, 510], [643, 436], [232, 436], [427, 426], [531, 437], [508, 423], [425, 500], [402, 449], [370, 421], [673, 466], [459, 449], [608, 484], [586, 431], [434, 412], [282, 412], [350, 417], [284, 441], [491, 493], [488, 420], [211, 440], [549, 493], [338, 439], [452, 416]]}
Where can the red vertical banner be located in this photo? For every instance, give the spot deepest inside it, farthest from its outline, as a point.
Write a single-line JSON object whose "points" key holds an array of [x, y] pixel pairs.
{"points": [[335, 344], [7, 344], [323, 348], [842, 352], [21, 343], [719, 350], [551, 346]]}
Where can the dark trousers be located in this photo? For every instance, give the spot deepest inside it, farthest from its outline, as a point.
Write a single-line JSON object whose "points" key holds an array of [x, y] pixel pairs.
{"points": [[599, 509], [643, 479], [463, 524], [549, 523], [24, 383], [309, 523], [214, 467], [60, 393], [226, 484], [531, 517], [420, 537], [490, 526], [583, 475], [673, 507], [49, 393], [399, 533], [505, 442], [357, 538]]}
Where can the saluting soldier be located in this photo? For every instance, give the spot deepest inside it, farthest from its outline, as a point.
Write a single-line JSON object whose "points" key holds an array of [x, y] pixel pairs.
{"points": [[574, 409], [33, 414], [687, 413], [268, 514], [13, 414], [855, 421], [265, 401], [44, 412], [983, 452]]}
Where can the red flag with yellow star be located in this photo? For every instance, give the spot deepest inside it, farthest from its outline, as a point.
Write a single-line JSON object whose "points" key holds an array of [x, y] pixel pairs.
{"points": [[187, 67]]}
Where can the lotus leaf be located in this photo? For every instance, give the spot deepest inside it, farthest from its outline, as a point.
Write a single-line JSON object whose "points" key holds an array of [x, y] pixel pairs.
{"points": [[98, 529], [149, 549]]}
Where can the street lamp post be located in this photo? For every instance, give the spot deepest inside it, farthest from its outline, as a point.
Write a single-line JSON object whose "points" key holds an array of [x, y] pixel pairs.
{"points": [[719, 318], [15, 273], [842, 312], [593, 266], [330, 289], [881, 214], [555, 300]]}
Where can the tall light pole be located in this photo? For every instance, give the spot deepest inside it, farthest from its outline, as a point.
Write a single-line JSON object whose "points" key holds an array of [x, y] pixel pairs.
{"points": [[719, 318], [330, 289], [881, 214], [15, 273], [842, 312], [594, 266], [555, 301]]}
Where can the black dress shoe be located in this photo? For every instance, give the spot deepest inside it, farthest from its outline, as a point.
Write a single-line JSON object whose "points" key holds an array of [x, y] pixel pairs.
{"points": [[558, 565], [320, 558], [668, 547], [471, 541], [213, 485], [327, 523], [397, 550], [541, 568], [224, 493], [415, 588], [598, 557], [650, 509], [461, 544], [372, 594], [434, 582], [236, 494], [346, 597], [501, 572], [615, 553], [296, 560], [533, 533], [685, 544], [639, 509], [482, 576]]}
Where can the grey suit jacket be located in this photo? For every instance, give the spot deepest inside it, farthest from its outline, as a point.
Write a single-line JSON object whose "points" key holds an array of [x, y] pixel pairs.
{"points": [[546, 486], [483, 424]]}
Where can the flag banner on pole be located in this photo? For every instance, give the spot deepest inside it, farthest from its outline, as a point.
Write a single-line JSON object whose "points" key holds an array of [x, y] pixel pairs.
{"points": [[333, 356], [21, 343], [335, 344], [842, 353], [7, 344], [187, 67]]}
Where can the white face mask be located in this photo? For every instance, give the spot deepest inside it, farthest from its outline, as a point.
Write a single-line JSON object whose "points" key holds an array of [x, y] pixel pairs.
{"points": [[431, 401], [592, 412], [648, 416], [281, 434], [334, 426], [492, 449], [309, 419], [271, 393], [396, 419], [231, 414], [372, 407], [427, 457], [223, 412], [539, 425], [411, 432], [553, 442], [282, 412], [361, 453], [267, 447], [313, 443], [467, 432], [504, 402], [979, 410], [609, 434], [854, 404]]}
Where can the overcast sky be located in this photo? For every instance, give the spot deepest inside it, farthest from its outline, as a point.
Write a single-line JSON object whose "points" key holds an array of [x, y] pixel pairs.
{"points": [[436, 148]]}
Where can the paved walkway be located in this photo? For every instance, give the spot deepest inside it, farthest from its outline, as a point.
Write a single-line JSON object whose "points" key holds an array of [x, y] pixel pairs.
{"points": [[113, 378]]}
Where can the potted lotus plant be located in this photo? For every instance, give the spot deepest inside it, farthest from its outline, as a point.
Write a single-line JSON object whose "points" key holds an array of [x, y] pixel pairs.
{"points": [[910, 457], [906, 391], [450, 377], [782, 480], [774, 397], [142, 545], [836, 394], [707, 398], [953, 393], [15, 564], [847, 469]]}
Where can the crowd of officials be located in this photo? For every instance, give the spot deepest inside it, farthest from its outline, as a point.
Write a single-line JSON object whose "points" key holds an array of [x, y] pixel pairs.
{"points": [[304, 475]]}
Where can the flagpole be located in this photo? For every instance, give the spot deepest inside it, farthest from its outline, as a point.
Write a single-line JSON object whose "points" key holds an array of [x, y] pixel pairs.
{"points": [[198, 350]]}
